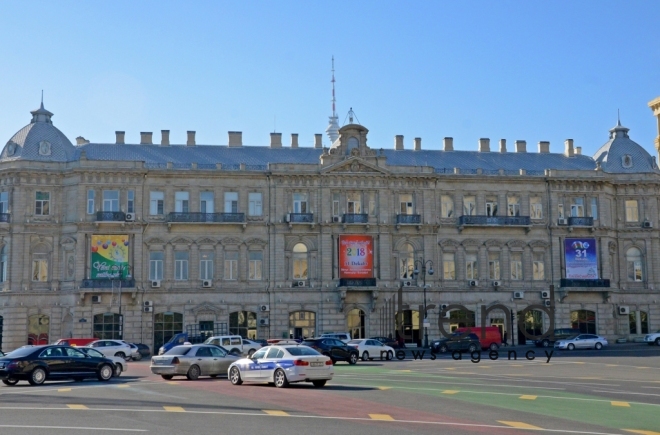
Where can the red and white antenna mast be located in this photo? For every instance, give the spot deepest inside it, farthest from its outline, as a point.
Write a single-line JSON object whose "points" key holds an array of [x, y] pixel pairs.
{"points": [[333, 128]]}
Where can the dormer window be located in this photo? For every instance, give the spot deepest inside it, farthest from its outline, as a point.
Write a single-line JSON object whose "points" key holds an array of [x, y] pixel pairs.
{"points": [[44, 148], [353, 143], [626, 161]]}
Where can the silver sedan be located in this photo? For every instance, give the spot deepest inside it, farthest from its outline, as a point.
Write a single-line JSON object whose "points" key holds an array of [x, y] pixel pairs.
{"points": [[582, 341], [192, 361]]}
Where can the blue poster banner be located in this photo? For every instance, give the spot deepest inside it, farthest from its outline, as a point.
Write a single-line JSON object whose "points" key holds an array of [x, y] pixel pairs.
{"points": [[581, 258]]}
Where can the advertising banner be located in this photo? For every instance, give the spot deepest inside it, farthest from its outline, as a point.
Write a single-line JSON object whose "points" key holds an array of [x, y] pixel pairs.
{"points": [[356, 256], [581, 258], [110, 256]]}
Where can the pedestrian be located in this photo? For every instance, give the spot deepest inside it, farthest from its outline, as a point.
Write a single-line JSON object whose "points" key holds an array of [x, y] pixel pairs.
{"points": [[504, 339]]}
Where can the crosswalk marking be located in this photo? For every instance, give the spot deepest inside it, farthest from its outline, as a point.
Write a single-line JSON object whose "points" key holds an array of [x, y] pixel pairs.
{"points": [[174, 409], [123, 386], [278, 413], [77, 407], [62, 390], [519, 424], [381, 417], [624, 404], [642, 432], [450, 392], [525, 397]]}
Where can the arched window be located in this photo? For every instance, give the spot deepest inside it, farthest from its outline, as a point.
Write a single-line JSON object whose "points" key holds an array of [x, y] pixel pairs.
{"points": [[406, 262], [353, 143], [166, 325], [302, 324], [639, 322], [38, 328], [584, 320], [243, 323], [300, 261], [108, 326], [634, 265]]}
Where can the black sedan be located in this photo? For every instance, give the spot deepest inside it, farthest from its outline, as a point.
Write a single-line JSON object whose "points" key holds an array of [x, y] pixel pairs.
{"points": [[41, 363], [456, 341], [337, 350]]}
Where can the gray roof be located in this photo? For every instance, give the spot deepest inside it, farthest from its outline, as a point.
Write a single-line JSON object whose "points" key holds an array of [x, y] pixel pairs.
{"points": [[611, 156]]}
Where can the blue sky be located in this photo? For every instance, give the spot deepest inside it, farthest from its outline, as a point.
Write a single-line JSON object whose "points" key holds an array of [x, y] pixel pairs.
{"points": [[516, 70]]}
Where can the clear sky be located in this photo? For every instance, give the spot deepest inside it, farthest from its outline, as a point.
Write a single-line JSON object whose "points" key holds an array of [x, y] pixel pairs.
{"points": [[517, 70]]}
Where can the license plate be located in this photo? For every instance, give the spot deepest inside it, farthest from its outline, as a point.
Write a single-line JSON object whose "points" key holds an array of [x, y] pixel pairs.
{"points": [[2, 365], [316, 364]]}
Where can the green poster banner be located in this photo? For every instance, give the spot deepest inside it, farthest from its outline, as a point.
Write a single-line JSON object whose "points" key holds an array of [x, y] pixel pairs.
{"points": [[110, 257]]}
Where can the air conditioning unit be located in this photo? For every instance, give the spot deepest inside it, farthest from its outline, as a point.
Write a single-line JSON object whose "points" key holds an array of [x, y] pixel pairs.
{"points": [[148, 303], [444, 306], [298, 283], [96, 299], [624, 310], [287, 217], [207, 283], [545, 294], [547, 302], [148, 309], [264, 322], [336, 219], [130, 217], [497, 283], [407, 283], [473, 283], [264, 308], [155, 284], [518, 295], [647, 224], [562, 221]]}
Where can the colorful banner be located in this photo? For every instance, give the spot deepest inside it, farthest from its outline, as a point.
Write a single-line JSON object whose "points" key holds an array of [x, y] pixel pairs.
{"points": [[356, 256], [581, 258], [110, 257]]}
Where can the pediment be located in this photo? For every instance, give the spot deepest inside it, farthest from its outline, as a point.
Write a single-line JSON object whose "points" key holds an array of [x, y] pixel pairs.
{"points": [[354, 165], [256, 241], [181, 241], [206, 307], [155, 241], [206, 241], [231, 241], [538, 244]]}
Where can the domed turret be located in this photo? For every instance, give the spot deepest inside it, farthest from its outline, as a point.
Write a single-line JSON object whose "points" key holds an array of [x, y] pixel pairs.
{"points": [[620, 155]]}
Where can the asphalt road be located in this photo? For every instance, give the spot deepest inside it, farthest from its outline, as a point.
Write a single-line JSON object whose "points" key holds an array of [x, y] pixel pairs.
{"points": [[616, 391]]}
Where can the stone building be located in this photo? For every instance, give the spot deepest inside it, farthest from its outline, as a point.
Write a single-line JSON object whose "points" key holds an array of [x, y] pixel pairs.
{"points": [[141, 240]]}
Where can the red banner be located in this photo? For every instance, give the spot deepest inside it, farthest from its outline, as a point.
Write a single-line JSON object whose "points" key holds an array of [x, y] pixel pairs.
{"points": [[356, 256]]}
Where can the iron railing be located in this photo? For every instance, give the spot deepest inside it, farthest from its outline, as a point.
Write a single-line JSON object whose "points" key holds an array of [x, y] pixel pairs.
{"points": [[113, 216], [355, 218], [408, 219], [108, 283], [584, 282], [5, 217], [301, 218], [494, 220], [581, 221], [205, 217]]}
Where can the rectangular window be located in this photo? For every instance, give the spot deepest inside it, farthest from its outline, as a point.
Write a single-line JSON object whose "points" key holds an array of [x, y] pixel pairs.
{"points": [[371, 203], [256, 261], [471, 266], [231, 265], [406, 201], [448, 266], [446, 206], [156, 202], [4, 202], [231, 202], [90, 201], [354, 203], [206, 265], [206, 202], [513, 206], [632, 214], [469, 206], [254, 204], [577, 207], [300, 203], [181, 202], [491, 206], [156, 266], [516, 266], [635, 270], [181, 265], [3, 264], [594, 208], [560, 211], [536, 208], [110, 200], [42, 204], [40, 270], [494, 265], [538, 266], [335, 204], [130, 201]]}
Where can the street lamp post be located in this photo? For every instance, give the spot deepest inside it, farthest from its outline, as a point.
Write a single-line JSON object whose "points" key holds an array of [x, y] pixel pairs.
{"points": [[122, 269], [416, 273]]}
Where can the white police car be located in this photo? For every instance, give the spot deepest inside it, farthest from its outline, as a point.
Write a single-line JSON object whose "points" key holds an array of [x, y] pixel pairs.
{"points": [[282, 365]]}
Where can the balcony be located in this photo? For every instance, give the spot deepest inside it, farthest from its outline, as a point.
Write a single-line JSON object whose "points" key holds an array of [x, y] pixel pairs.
{"points": [[363, 282], [409, 219], [108, 283], [206, 217], [301, 218], [484, 221], [355, 218], [581, 222], [110, 216], [5, 217], [584, 282]]}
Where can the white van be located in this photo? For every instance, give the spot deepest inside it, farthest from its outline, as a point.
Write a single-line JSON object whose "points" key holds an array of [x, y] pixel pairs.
{"points": [[234, 344]]}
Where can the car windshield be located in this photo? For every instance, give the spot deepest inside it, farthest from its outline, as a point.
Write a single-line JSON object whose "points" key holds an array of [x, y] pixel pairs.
{"points": [[300, 351], [355, 342], [92, 352], [21, 352], [178, 350]]}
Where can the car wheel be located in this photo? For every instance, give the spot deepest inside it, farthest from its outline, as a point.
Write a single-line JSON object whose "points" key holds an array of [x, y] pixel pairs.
{"points": [[105, 372], [235, 352], [493, 346], [319, 384], [137, 357], [280, 379], [193, 373], [545, 343], [390, 355], [570, 346], [118, 370], [353, 358], [37, 377], [472, 348], [443, 348], [121, 355], [166, 377], [235, 376], [599, 346], [10, 381], [365, 356], [251, 352], [657, 341]]}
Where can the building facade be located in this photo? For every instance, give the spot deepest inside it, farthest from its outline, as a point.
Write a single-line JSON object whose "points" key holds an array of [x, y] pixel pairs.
{"points": [[141, 241]]}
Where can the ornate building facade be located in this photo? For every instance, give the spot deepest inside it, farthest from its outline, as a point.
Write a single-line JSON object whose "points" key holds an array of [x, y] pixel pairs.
{"points": [[141, 241]]}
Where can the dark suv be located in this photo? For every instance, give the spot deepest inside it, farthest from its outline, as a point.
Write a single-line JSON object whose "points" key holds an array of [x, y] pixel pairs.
{"points": [[337, 350], [456, 342], [560, 334]]}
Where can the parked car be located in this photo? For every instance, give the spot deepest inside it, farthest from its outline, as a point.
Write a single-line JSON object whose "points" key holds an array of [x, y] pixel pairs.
{"points": [[283, 365], [336, 349], [250, 347], [52, 362], [653, 338], [135, 353], [369, 349], [234, 343], [391, 342], [192, 361], [73, 342], [560, 334], [343, 336], [493, 339], [262, 342], [113, 348], [456, 341], [120, 363], [143, 349], [582, 341], [274, 341], [175, 340]]}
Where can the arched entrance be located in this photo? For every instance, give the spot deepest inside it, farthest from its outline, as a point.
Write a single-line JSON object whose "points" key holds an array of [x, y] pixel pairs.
{"points": [[38, 329], [243, 323], [408, 320], [356, 323], [461, 319], [107, 326], [302, 324], [166, 325], [533, 325], [584, 320]]}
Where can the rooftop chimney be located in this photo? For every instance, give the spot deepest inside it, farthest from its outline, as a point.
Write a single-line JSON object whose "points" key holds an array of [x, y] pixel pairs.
{"points": [[81, 140], [294, 140], [544, 147], [418, 144], [165, 137], [568, 147], [235, 139], [448, 143], [145, 138], [318, 140], [578, 151], [484, 145], [521, 146], [502, 145], [276, 140], [120, 137], [398, 142], [191, 139]]}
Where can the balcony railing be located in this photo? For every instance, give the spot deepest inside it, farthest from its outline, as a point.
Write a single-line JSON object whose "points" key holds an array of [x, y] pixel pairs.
{"points": [[495, 220], [206, 217], [584, 282], [108, 283], [408, 219], [581, 221], [301, 218], [110, 216], [350, 218], [5, 217]]}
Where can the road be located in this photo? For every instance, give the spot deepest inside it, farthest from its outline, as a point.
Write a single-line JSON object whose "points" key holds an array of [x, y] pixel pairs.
{"points": [[616, 391]]}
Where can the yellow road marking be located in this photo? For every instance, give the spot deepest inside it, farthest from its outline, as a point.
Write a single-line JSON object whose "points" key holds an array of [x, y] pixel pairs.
{"points": [[450, 392], [624, 404], [61, 390], [643, 367], [174, 409], [517, 365], [518, 424], [612, 365], [381, 417], [525, 397], [450, 368], [123, 386], [587, 378], [484, 367], [642, 432], [173, 383], [278, 413], [77, 407], [578, 362], [384, 388]]}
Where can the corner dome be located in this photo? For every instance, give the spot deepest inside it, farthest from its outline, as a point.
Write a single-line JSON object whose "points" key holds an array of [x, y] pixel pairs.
{"points": [[40, 140], [620, 155]]}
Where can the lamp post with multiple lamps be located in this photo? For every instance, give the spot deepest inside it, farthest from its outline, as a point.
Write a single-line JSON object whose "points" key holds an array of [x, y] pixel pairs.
{"points": [[416, 273]]}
